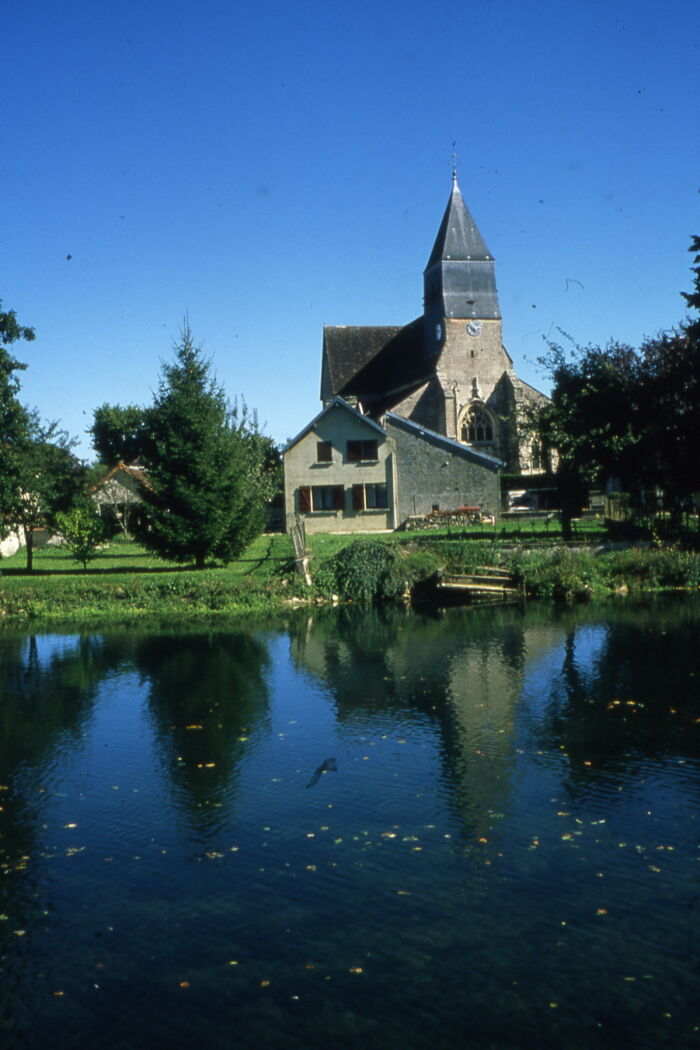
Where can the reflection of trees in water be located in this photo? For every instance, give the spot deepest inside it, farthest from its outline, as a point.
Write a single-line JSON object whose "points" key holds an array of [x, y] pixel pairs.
{"points": [[48, 685], [207, 695], [629, 697]]}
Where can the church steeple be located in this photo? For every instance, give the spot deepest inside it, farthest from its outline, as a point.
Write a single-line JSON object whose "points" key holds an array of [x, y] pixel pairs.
{"points": [[460, 279]]}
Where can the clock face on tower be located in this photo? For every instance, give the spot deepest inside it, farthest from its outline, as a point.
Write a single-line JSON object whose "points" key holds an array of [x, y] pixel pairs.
{"points": [[474, 327]]}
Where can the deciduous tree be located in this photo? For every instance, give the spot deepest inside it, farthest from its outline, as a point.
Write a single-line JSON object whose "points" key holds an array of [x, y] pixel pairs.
{"points": [[82, 530], [14, 418], [117, 433], [48, 480]]}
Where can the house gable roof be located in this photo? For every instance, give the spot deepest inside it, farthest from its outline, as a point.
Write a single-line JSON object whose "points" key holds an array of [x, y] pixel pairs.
{"points": [[135, 472], [449, 444], [336, 402]]}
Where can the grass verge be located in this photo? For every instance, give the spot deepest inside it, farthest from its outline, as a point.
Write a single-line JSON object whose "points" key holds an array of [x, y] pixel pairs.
{"points": [[125, 583]]}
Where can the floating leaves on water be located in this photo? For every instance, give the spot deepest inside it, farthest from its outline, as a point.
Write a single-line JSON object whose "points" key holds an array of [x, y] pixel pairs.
{"points": [[601, 911], [70, 825], [206, 765], [356, 969], [265, 983], [233, 962], [195, 725], [184, 984]]}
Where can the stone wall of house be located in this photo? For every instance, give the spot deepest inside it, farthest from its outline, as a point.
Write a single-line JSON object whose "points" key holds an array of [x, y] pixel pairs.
{"points": [[302, 468], [430, 475]]}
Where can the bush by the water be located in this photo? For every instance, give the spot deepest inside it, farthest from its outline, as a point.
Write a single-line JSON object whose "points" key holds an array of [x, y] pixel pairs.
{"points": [[572, 575], [371, 570]]}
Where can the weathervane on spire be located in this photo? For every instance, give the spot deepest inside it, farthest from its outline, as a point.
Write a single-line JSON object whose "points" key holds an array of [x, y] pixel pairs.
{"points": [[454, 165]]}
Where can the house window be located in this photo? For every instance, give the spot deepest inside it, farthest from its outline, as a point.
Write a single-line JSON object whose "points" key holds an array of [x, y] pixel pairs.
{"points": [[477, 428], [369, 497], [321, 497], [324, 452], [361, 450]]}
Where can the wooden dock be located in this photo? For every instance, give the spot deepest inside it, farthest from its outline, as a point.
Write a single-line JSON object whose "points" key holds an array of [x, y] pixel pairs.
{"points": [[487, 583]]}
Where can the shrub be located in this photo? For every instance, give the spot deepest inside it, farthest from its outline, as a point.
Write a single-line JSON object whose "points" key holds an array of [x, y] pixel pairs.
{"points": [[362, 571], [82, 530]]}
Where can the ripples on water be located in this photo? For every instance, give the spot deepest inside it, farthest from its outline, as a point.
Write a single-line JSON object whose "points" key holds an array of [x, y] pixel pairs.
{"points": [[505, 855]]}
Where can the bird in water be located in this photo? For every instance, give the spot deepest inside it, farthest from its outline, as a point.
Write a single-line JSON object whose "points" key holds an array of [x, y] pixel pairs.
{"points": [[329, 766]]}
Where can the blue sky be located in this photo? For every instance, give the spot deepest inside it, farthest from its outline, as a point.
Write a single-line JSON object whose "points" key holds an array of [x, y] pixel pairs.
{"points": [[273, 168]]}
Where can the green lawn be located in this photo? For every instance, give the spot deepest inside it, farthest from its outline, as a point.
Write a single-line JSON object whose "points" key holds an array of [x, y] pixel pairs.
{"points": [[122, 556]]}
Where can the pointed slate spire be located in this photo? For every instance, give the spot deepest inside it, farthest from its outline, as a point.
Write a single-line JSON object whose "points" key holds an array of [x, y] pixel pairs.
{"points": [[461, 270]]}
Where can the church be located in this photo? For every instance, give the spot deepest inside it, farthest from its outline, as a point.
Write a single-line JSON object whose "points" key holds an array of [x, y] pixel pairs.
{"points": [[445, 381]]}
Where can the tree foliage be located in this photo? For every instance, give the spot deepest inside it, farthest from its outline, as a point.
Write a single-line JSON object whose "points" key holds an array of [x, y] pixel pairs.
{"points": [[207, 465], [82, 530], [39, 476], [48, 480], [632, 415], [14, 418], [118, 433]]}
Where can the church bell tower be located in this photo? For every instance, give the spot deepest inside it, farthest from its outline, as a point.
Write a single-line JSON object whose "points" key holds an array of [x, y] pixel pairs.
{"points": [[462, 327]]}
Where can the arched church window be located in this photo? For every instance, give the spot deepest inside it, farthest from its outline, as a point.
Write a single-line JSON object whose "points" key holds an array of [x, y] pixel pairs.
{"points": [[477, 428]]}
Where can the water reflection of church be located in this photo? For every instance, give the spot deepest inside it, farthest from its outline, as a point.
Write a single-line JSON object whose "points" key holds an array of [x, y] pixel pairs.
{"points": [[464, 674]]}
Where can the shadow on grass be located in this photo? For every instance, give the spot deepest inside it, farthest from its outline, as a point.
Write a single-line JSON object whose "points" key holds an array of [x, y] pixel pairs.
{"points": [[117, 571]]}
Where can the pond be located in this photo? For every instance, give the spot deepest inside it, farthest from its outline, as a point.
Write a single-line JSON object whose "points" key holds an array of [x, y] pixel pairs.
{"points": [[357, 827]]}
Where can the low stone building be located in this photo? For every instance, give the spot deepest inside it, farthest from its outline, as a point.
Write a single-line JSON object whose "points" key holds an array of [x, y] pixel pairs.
{"points": [[346, 472]]}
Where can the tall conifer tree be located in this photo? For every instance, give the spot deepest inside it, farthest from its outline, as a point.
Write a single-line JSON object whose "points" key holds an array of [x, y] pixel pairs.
{"points": [[208, 483]]}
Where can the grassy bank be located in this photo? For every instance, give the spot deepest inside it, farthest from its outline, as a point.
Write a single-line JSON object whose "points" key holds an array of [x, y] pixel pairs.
{"points": [[124, 583]]}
